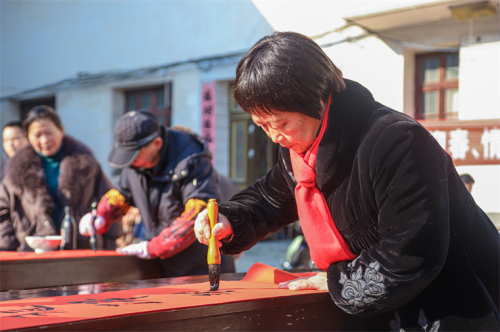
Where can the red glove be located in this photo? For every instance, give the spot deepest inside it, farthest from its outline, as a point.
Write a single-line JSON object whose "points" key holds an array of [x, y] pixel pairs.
{"points": [[111, 208], [179, 235]]}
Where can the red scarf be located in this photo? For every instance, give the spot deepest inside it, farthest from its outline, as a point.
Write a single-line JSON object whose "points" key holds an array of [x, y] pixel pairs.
{"points": [[325, 241]]}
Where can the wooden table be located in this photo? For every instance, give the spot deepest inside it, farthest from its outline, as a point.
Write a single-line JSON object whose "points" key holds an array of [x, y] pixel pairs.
{"points": [[298, 312], [73, 267]]}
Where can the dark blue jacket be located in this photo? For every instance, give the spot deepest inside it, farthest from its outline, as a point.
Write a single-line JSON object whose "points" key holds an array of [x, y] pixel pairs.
{"points": [[184, 171]]}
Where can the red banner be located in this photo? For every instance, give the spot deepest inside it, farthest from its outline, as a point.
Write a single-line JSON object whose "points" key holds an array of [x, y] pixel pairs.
{"points": [[468, 142], [208, 115], [58, 254], [260, 283]]}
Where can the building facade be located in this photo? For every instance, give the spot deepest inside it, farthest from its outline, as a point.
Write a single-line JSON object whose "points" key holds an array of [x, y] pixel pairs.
{"points": [[438, 61]]}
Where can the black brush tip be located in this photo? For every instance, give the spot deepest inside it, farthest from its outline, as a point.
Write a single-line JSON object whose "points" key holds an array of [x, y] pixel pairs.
{"points": [[93, 243], [214, 276]]}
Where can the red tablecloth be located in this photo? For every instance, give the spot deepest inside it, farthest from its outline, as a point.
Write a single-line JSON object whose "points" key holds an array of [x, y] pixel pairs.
{"points": [[15, 256], [259, 283]]}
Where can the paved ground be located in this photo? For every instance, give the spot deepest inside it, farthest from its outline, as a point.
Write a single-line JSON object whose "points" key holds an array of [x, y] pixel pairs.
{"points": [[267, 252]]}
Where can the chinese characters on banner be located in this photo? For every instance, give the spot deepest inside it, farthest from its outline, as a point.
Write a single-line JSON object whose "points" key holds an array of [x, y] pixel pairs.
{"points": [[208, 115], [468, 143]]}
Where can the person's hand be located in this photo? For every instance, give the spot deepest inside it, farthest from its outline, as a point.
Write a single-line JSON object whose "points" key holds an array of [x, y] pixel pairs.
{"points": [[137, 249], [318, 282], [221, 230], [86, 228]]}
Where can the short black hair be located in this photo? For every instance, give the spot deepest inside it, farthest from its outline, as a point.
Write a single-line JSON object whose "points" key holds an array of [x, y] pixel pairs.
{"points": [[14, 123], [467, 178], [41, 112], [286, 72]]}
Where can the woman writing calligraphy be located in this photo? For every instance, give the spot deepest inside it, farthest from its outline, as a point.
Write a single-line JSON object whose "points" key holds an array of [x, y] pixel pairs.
{"points": [[402, 242]]}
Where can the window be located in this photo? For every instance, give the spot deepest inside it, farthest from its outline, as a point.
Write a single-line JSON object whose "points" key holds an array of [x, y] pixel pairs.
{"points": [[26, 105], [156, 100], [436, 86], [234, 108], [253, 154]]}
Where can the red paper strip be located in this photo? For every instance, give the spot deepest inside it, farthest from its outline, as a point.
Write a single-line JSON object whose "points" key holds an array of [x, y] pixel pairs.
{"points": [[259, 272], [16, 256], [26, 313]]}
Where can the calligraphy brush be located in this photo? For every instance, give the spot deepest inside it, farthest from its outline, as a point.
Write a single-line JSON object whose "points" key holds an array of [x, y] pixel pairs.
{"points": [[213, 256], [93, 241]]}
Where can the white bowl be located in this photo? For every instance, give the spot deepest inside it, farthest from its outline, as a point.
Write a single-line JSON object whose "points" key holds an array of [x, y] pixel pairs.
{"points": [[43, 243]]}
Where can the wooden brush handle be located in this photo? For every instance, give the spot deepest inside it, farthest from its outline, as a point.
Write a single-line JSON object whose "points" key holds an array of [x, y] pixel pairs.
{"points": [[213, 256], [213, 211]]}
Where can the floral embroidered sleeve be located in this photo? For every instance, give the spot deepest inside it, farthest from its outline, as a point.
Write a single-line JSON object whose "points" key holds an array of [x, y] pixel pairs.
{"points": [[412, 223], [362, 287], [112, 207], [179, 234]]}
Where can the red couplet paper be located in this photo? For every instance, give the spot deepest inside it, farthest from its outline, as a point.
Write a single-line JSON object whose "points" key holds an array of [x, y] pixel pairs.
{"points": [[264, 273], [16, 256], [260, 283]]}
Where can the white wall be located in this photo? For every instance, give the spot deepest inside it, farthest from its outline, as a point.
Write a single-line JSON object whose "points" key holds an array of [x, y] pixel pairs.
{"points": [[373, 64], [89, 114], [85, 114], [479, 77], [43, 42], [46, 41], [313, 17], [369, 61], [486, 189], [186, 97]]}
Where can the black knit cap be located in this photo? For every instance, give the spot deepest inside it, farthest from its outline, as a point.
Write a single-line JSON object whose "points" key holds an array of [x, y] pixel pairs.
{"points": [[133, 130]]}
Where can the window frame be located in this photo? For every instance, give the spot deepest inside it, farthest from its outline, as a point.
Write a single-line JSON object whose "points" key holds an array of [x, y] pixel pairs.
{"points": [[440, 86], [253, 138], [26, 105], [165, 111]]}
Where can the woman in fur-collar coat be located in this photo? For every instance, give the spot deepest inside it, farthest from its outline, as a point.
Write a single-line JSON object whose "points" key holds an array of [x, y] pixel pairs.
{"points": [[43, 178]]}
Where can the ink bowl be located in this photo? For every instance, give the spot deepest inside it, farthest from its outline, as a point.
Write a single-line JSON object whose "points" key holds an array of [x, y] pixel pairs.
{"points": [[43, 243]]}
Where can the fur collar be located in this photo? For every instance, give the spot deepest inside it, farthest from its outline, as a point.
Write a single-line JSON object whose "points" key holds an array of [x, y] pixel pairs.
{"points": [[25, 176]]}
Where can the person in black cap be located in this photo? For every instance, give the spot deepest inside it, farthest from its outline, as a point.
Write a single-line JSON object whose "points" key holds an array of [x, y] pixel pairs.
{"points": [[169, 177]]}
